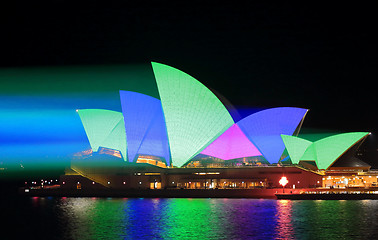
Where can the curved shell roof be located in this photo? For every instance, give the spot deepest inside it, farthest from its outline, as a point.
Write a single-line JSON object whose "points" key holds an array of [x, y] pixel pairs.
{"points": [[295, 146], [145, 126], [231, 144], [104, 128], [189, 119], [194, 116], [324, 151], [265, 127], [329, 149]]}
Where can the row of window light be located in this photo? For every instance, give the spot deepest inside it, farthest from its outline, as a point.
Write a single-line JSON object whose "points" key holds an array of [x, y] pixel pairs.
{"points": [[329, 177], [42, 182], [93, 183], [109, 183]]}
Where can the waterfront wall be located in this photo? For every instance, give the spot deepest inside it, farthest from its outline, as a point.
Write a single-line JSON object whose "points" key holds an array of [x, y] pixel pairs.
{"points": [[160, 193]]}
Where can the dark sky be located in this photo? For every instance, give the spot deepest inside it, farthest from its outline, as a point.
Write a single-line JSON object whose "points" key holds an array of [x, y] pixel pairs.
{"points": [[317, 56]]}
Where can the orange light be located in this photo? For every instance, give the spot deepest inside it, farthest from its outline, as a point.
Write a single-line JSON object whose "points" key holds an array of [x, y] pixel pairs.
{"points": [[283, 181]]}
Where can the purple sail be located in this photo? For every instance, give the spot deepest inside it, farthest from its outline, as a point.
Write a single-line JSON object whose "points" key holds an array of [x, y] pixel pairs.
{"points": [[231, 144]]}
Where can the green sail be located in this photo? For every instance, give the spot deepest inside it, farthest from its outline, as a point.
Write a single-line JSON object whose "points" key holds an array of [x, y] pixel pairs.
{"points": [[104, 128], [194, 115], [329, 149], [295, 146]]}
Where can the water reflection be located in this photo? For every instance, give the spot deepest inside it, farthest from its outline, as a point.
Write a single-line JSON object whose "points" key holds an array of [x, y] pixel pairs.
{"points": [[87, 218], [100, 218], [284, 228]]}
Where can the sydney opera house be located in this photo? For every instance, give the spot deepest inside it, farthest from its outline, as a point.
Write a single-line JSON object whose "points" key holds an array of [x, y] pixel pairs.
{"points": [[188, 139]]}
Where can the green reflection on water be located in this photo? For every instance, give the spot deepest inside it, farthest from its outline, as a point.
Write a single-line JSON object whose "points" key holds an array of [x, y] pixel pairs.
{"points": [[90, 218], [190, 218], [331, 219]]}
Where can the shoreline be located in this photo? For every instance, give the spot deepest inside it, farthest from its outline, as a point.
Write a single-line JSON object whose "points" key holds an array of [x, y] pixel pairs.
{"points": [[328, 196], [274, 193], [153, 193]]}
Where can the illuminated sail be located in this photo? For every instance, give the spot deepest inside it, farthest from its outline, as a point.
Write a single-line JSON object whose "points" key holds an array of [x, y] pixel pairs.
{"points": [[329, 149], [264, 129], [194, 115], [104, 128], [231, 144], [324, 151], [295, 146], [145, 126]]}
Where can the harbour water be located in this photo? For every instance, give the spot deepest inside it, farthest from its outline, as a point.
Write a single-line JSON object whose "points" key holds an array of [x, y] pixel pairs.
{"points": [[185, 218]]}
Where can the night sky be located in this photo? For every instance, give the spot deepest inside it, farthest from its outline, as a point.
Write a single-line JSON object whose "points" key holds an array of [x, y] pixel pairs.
{"points": [[317, 56]]}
